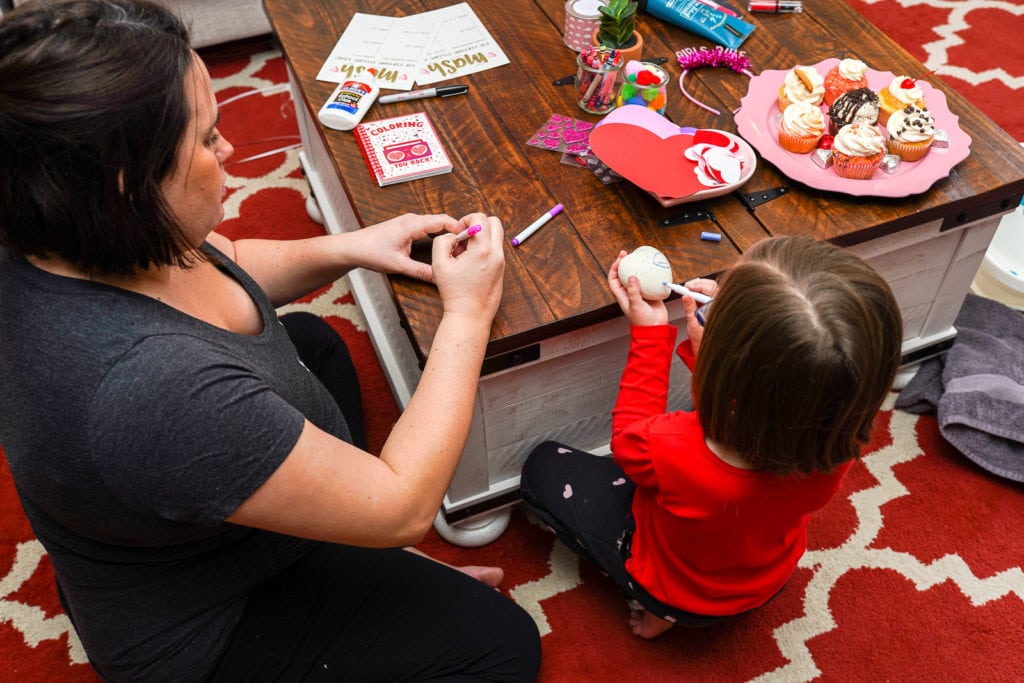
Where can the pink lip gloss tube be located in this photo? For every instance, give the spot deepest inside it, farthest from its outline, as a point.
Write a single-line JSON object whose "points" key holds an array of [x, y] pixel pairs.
{"points": [[776, 6]]}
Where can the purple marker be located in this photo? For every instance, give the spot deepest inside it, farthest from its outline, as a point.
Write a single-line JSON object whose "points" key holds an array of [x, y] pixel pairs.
{"points": [[536, 225]]}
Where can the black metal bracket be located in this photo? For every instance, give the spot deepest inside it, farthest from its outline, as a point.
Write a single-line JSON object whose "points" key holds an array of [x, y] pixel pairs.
{"points": [[694, 213], [756, 199]]}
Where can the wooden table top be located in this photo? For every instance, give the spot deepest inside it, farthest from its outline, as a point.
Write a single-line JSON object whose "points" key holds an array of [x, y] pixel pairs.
{"points": [[555, 281]]}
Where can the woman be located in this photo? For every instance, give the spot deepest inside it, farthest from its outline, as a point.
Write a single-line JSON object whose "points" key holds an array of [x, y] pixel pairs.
{"points": [[192, 482]]}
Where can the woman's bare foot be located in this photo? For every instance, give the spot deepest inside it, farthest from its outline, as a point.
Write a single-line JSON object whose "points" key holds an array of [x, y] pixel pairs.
{"points": [[645, 624], [489, 576]]}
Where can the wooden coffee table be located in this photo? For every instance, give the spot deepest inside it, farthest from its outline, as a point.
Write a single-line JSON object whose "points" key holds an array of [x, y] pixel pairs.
{"points": [[559, 342]]}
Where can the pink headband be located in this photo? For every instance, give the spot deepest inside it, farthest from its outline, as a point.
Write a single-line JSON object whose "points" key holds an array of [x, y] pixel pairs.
{"points": [[698, 58]]}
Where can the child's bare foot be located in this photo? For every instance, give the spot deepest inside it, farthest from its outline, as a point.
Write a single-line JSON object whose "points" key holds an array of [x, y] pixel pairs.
{"points": [[645, 624]]}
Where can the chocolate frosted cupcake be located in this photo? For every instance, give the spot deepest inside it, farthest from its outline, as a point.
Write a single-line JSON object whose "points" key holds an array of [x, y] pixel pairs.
{"points": [[859, 104]]}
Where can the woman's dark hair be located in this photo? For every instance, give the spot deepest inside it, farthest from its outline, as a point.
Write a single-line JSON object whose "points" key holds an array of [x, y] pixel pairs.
{"points": [[93, 108], [800, 348]]}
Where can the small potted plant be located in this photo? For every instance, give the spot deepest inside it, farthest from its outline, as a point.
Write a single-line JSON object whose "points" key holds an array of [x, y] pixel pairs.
{"points": [[618, 29]]}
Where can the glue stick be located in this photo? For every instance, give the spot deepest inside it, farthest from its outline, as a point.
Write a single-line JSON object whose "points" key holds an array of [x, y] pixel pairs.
{"points": [[349, 101]]}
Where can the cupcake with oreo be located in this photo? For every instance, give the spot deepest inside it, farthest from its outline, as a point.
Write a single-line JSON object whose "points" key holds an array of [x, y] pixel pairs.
{"points": [[911, 131], [858, 150], [857, 105]]}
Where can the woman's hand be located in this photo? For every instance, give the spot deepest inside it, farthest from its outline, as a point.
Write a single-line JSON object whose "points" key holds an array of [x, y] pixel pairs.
{"points": [[638, 311], [469, 274], [386, 247]]}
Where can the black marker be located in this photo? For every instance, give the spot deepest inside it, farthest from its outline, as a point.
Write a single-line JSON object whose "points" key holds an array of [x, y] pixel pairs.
{"points": [[444, 91]]}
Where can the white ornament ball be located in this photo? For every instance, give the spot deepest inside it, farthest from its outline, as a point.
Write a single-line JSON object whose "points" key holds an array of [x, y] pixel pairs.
{"points": [[651, 267]]}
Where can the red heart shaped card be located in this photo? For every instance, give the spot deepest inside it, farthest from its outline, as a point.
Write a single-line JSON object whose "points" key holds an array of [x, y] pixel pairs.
{"points": [[651, 152]]}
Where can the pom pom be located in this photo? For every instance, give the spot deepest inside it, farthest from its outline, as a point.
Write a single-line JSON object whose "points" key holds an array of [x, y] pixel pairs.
{"points": [[633, 67], [646, 78]]}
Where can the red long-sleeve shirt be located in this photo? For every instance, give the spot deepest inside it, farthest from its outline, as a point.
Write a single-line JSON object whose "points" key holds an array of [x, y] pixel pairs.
{"points": [[710, 538]]}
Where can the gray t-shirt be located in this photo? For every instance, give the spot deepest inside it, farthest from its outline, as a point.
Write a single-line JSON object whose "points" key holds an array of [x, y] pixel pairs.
{"points": [[132, 431]]}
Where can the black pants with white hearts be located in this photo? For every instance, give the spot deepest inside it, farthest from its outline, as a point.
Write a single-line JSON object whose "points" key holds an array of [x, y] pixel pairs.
{"points": [[586, 499]]}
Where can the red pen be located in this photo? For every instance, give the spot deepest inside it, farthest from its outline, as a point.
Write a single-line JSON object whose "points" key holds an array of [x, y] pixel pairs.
{"points": [[724, 10]]}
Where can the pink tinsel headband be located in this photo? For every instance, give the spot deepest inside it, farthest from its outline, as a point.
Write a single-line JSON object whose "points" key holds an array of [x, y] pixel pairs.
{"points": [[698, 58]]}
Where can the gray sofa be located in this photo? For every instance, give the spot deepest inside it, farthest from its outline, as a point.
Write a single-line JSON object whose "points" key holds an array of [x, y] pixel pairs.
{"points": [[213, 21]]}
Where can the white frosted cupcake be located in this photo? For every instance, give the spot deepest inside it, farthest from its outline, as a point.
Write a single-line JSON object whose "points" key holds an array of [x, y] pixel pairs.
{"points": [[901, 92], [848, 74], [802, 84], [857, 151], [911, 131], [801, 126]]}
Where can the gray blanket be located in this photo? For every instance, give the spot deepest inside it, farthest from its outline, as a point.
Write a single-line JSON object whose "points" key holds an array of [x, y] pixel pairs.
{"points": [[977, 388]]}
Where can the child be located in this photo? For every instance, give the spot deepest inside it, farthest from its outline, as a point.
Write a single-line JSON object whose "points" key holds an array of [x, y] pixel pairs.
{"points": [[700, 516]]}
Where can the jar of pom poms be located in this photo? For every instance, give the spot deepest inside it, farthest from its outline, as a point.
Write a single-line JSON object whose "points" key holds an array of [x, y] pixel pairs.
{"points": [[644, 84]]}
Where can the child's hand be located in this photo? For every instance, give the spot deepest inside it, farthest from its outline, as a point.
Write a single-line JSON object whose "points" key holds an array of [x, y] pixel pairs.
{"points": [[702, 285], [638, 311], [694, 330]]}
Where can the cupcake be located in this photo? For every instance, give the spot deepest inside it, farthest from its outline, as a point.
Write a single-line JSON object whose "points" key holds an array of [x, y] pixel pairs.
{"points": [[848, 74], [859, 104], [911, 131], [801, 126], [802, 84], [902, 91], [858, 150]]}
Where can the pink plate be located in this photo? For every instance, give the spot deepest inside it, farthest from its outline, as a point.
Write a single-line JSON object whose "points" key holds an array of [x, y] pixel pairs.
{"points": [[757, 121]]}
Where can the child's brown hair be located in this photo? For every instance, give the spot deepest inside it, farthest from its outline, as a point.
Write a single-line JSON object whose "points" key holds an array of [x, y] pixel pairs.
{"points": [[801, 346]]}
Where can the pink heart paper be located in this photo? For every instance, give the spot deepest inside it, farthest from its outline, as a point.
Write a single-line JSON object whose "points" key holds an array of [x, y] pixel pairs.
{"points": [[648, 150]]}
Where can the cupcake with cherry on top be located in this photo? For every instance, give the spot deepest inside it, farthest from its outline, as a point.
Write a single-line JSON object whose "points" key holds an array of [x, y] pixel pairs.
{"points": [[802, 84], [858, 150], [901, 92], [911, 131], [848, 74], [801, 126]]}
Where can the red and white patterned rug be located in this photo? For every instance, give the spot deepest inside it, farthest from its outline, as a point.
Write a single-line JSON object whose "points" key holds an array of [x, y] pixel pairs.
{"points": [[914, 571]]}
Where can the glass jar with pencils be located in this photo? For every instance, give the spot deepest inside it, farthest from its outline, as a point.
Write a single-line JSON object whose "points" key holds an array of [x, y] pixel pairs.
{"points": [[596, 79]]}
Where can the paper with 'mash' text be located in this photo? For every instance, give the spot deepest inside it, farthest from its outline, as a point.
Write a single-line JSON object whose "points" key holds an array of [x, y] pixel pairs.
{"points": [[420, 49]]}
